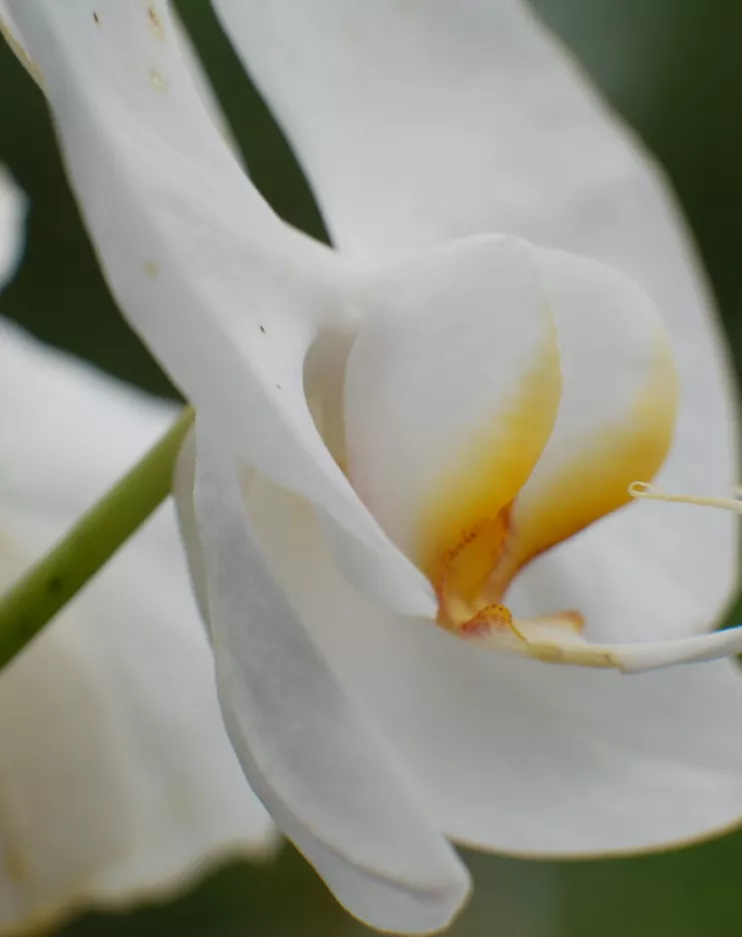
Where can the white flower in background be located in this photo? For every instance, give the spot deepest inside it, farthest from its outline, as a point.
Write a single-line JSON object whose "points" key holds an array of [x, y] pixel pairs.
{"points": [[11, 221], [388, 434], [117, 782]]}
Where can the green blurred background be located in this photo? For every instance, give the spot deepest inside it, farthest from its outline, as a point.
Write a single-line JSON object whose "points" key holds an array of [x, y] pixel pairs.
{"points": [[674, 69]]}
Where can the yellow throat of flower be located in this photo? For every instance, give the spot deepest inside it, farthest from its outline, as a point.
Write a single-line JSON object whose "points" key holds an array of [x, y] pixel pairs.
{"points": [[496, 511]]}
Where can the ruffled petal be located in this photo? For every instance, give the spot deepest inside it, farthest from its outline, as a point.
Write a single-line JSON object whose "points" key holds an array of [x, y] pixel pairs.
{"points": [[324, 774]]}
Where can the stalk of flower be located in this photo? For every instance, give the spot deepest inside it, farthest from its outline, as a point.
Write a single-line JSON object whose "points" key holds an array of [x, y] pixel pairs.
{"points": [[412, 451], [118, 782]]}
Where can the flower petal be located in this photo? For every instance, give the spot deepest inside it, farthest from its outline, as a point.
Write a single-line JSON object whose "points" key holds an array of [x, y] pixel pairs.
{"points": [[11, 219], [117, 780], [227, 296], [419, 122], [323, 773], [10, 32], [451, 390], [516, 755], [615, 423], [57, 411]]}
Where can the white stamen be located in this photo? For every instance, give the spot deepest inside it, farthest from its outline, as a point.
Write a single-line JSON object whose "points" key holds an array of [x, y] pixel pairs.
{"points": [[643, 490]]}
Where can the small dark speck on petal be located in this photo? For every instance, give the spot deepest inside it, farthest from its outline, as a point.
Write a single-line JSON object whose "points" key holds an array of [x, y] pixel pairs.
{"points": [[96, 18]]}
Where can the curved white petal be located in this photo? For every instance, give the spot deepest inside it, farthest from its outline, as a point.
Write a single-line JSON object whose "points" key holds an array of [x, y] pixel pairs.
{"points": [[516, 755], [325, 776], [615, 425], [11, 219], [202, 82], [184, 483], [451, 388], [10, 32], [117, 780], [418, 122], [227, 296], [68, 431]]}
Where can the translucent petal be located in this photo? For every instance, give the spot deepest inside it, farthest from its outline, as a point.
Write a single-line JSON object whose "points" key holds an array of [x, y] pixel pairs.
{"points": [[326, 777], [117, 780], [520, 756]]}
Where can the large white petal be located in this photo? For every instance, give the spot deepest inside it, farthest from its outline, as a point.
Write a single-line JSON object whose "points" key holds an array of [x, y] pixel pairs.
{"points": [[519, 756], [117, 780], [227, 296], [326, 777], [418, 122], [11, 218]]}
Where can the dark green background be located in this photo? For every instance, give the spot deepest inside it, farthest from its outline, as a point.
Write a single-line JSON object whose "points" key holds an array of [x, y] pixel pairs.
{"points": [[674, 69]]}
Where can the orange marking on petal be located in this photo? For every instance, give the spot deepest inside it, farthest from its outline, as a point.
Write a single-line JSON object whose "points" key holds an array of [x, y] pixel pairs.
{"points": [[596, 482], [488, 619], [466, 518], [479, 534]]}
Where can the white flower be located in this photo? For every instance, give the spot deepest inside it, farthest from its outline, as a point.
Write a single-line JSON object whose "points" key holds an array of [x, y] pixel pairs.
{"points": [[117, 782], [371, 733]]}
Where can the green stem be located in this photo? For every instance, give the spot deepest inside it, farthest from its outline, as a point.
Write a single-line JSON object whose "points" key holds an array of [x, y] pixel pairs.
{"points": [[49, 585]]}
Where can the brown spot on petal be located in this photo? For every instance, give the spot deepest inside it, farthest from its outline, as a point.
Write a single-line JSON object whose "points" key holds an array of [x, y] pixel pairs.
{"points": [[155, 22]]}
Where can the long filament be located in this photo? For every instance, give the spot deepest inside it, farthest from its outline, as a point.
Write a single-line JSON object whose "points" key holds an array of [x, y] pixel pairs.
{"points": [[647, 492]]}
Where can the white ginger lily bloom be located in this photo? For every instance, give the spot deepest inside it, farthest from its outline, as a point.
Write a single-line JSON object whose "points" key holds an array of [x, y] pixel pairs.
{"points": [[117, 780], [388, 434]]}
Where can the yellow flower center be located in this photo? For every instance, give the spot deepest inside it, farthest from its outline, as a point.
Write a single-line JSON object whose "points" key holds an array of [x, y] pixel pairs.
{"points": [[485, 519]]}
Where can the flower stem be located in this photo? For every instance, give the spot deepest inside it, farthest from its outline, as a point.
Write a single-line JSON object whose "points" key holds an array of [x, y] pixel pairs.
{"points": [[50, 584]]}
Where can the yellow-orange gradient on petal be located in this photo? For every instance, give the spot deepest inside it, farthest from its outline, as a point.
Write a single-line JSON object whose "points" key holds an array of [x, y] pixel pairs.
{"points": [[465, 516], [476, 534], [595, 480]]}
